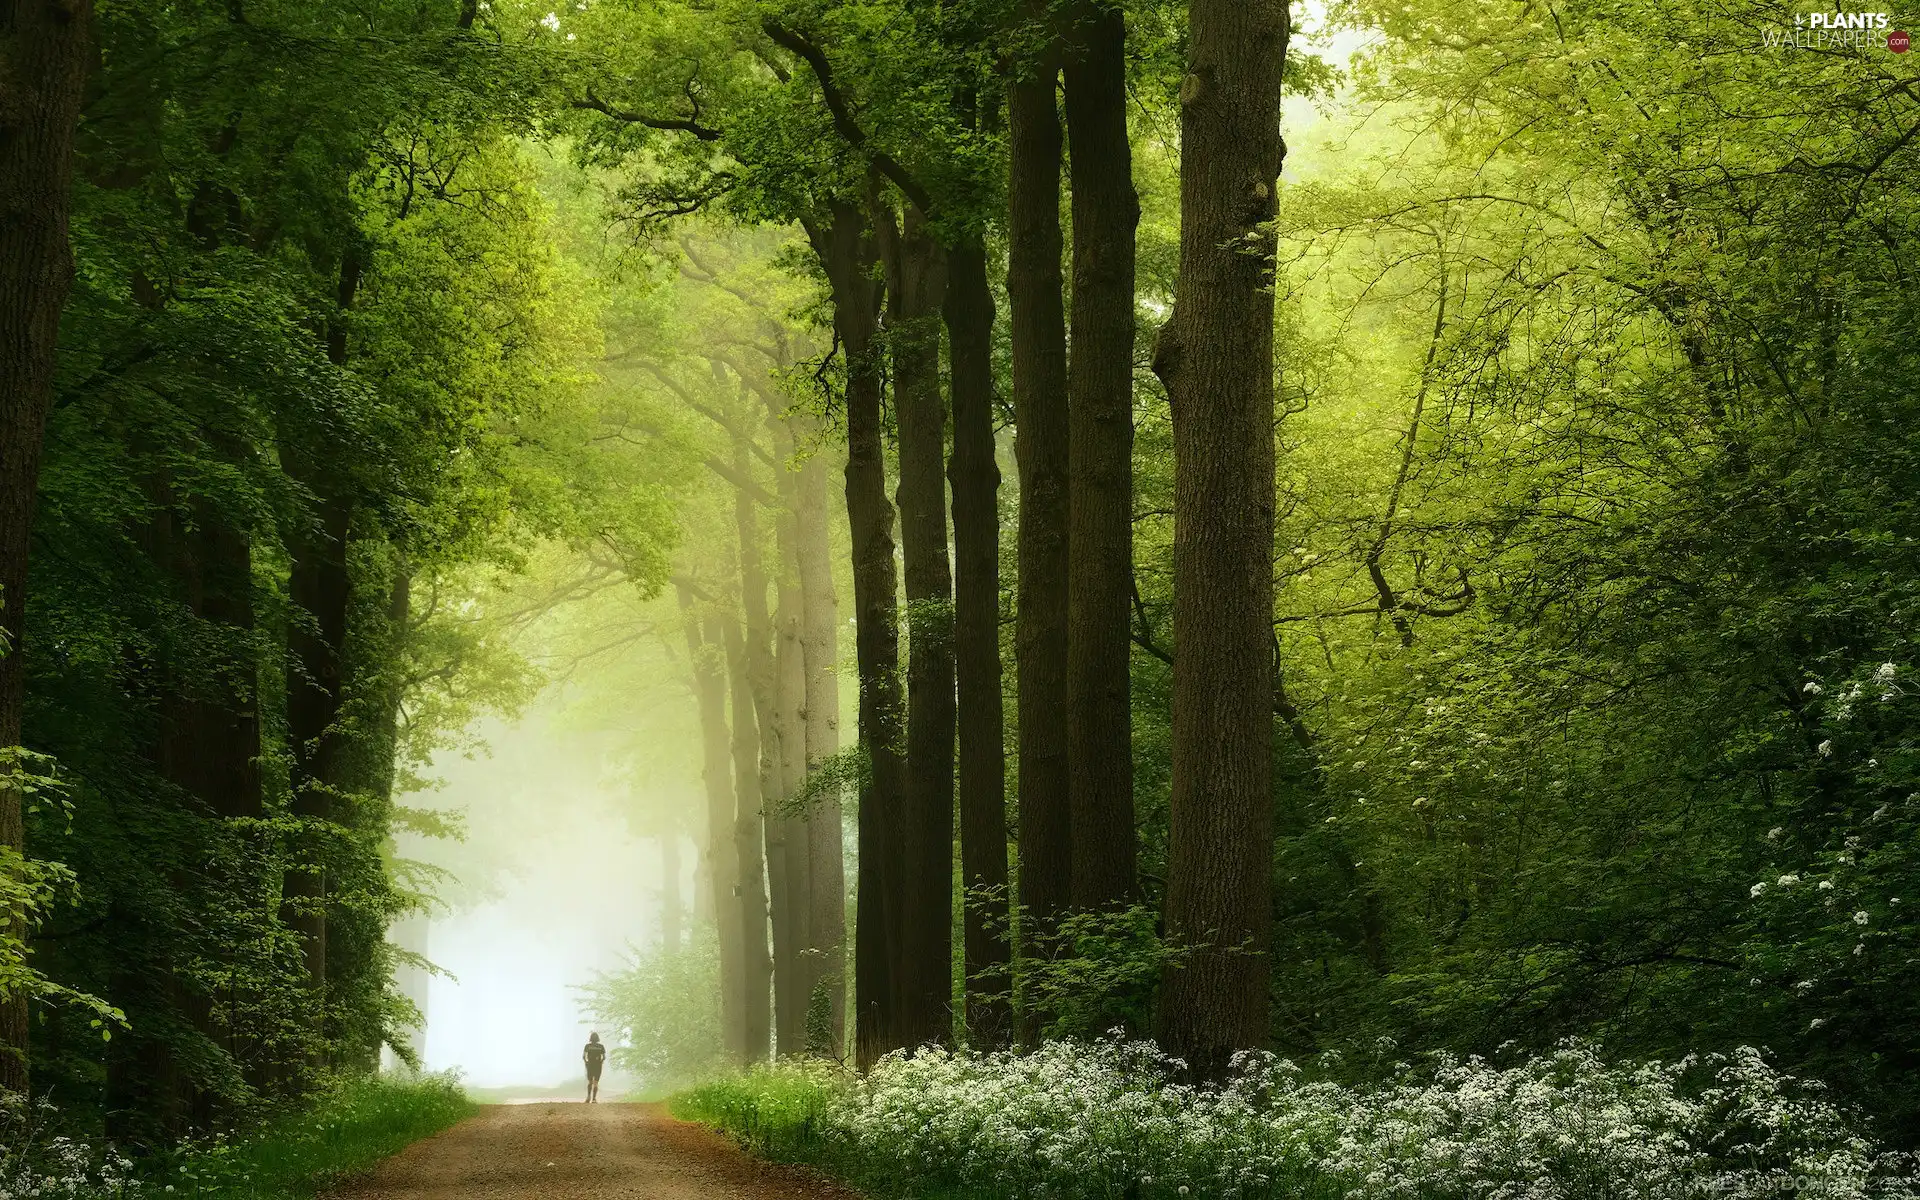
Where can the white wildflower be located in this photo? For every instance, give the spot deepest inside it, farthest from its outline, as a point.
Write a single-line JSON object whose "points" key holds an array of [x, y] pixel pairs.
{"points": [[1825, 748], [1860, 918]]}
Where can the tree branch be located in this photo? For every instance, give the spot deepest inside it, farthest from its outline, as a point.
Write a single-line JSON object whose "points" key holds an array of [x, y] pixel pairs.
{"points": [[843, 122], [690, 125]]}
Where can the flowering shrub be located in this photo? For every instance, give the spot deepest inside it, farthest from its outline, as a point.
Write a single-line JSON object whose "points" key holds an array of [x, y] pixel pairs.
{"points": [[36, 1163], [1107, 1119]]}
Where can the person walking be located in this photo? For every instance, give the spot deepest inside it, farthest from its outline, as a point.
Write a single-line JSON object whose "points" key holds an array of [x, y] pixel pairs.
{"points": [[595, 1056]]}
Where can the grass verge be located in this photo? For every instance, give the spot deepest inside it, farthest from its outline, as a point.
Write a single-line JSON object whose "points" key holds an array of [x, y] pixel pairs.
{"points": [[779, 1115], [297, 1156]]}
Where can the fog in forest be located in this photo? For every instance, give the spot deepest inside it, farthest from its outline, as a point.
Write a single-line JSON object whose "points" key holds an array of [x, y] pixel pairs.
{"points": [[555, 870]]}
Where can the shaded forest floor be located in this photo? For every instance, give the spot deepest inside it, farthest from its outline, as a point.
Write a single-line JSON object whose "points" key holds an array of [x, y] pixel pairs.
{"points": [[582, 1152]]}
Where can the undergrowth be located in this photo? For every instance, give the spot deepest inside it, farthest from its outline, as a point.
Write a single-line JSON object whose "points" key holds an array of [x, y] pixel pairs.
{"points": [[1110, 1121], [292, 1157]]}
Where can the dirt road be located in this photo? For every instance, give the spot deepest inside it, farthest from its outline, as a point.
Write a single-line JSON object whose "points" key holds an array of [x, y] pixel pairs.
{"points": [[581, 1152]]}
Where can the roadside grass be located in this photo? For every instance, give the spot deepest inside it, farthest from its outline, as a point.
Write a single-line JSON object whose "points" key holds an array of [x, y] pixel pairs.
{"points": [[785, 1114], [299, 1155], [778, 1114], [782, 1115]]}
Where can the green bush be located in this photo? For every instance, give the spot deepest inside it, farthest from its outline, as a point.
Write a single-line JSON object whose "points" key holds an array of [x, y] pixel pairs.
{"points": [[660, 1013]]}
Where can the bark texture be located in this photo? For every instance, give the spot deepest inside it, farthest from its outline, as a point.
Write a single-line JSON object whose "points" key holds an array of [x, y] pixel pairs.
{"points": [[794, 973], [706, 655], [975, 477], [749, 841], [824, 964], [45, 52], [762, 833], [924, 972], [1039, 341], [845, 245], [1100, 488], [787, 833], [1216, 357]]}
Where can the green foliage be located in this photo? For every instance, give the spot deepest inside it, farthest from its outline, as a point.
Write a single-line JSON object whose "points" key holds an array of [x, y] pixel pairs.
{"points": [[1094, 972], [293, 314], [1596, 555], [33, 888], [344, 1129], [838, 776], [660, 1012]]}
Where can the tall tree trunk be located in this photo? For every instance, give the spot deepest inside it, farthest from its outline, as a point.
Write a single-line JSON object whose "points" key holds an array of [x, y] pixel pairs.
{"points": [[45, 51], [706, 654], [793, 906], [846, 249], [793, 982], [763, 864], [975, 477], [916, 282], [825, 962], [672, 912], [749, 841], [1216, 357], [1038, 325], [1100, 583]]}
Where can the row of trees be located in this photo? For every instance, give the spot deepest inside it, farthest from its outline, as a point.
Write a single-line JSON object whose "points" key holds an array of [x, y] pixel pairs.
{"points": [[318, 366], [904, 140], [1566, 645], [1589, 588]]}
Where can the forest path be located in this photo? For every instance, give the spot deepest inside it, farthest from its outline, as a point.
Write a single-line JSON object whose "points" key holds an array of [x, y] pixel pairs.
{"points": [[582, 1152]]}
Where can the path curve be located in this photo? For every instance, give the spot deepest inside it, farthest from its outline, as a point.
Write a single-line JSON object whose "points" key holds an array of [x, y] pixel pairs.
{"points": [[582, 1152]]}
